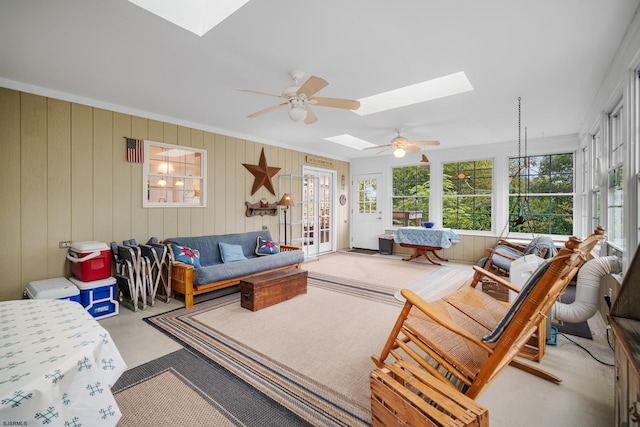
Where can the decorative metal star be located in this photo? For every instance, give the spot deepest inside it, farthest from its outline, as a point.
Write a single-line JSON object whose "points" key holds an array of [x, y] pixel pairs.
{"points": [[263, 174]]}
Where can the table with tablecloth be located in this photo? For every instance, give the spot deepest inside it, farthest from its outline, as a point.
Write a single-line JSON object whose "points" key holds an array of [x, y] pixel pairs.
{"points": [[425, 241], [57, 365]]}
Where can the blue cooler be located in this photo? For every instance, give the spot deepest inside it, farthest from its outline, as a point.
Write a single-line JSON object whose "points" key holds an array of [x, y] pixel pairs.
{"points": [[56, 288], [99, 297]]}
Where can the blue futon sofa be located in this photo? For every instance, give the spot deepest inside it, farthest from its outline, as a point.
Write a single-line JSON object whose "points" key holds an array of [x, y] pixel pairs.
{"points": [[224, 260]]}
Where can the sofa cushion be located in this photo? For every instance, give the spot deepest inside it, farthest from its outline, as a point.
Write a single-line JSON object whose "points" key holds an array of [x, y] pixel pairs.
{"points": [[210, 250], [231, 253], [186, 255], [266, 246], [214, 273]]}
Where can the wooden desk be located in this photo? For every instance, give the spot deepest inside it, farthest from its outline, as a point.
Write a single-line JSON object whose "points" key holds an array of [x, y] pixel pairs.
{"points": [[425, 241]]}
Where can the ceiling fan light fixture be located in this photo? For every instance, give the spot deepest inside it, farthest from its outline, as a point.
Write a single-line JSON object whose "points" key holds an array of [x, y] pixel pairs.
{"points": [[297, 113], [399, 153]]}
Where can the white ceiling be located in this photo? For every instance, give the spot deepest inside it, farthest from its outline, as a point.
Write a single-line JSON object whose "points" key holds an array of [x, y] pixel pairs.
{"points": [[553, 54]]}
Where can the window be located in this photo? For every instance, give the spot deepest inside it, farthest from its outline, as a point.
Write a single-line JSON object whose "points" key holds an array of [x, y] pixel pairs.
{"points": [[596, 182], [410, 199], [541, 194], [616, 205], [173, 176], [616, 140], [467, 191], [616, 190], [368, 196]]}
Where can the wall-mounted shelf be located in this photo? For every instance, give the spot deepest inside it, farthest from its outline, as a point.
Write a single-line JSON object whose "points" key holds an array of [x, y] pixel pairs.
{"points": [[260, 209]]}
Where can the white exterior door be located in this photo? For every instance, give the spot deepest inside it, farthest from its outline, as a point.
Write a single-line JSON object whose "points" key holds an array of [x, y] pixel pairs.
{"points": [[366, 212]]}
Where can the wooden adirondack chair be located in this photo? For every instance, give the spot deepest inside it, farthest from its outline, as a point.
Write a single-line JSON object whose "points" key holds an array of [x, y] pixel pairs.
{"points": [[459, 339]]}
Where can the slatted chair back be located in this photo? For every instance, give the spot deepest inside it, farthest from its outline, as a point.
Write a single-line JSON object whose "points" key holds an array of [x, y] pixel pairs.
{"points": [[156, 256], [132, 258]]}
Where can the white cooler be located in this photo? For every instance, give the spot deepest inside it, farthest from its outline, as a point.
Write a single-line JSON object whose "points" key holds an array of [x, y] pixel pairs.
{"points": [[520, 271], [56, 288]]}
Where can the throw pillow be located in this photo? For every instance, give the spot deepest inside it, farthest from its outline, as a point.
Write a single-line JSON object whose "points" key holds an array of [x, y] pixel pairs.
{"points": [[231, 253], [266, 247], [186, 255]]}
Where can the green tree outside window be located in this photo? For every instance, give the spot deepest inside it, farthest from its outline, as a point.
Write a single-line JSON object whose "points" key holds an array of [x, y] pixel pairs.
{"points": [[541, 194], [410, 199], [467, 194]]}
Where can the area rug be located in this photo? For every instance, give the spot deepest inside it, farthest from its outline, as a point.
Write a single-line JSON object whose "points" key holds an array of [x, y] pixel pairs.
{"points": [[182, 389], [440, 283], [312, 353]]}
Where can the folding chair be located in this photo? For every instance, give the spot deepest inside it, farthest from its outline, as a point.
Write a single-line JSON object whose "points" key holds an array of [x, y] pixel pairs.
{"points": [[156, 257], [133, 272], [125, 276]]}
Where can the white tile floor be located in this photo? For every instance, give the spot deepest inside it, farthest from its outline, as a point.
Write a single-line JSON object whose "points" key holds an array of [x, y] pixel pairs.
{"points": [[515, 398]]}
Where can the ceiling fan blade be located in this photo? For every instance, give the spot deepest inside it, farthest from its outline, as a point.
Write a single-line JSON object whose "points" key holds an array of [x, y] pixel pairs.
{"points": [[310, 117], [267, 110], [424, 142], [311, 86], [260, 93], [377, 146], [411, 148], [347, 104]]}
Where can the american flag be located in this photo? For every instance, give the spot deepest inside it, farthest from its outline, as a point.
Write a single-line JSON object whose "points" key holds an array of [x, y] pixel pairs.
{"points": [[135, 150]]}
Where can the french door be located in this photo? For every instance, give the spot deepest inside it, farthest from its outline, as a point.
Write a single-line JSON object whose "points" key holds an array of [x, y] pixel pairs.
{"points": [[320, 208]]}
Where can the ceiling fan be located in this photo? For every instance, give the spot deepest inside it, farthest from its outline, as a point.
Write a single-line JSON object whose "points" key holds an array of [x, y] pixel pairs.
{"points": [[401, 145], [300, 97]]}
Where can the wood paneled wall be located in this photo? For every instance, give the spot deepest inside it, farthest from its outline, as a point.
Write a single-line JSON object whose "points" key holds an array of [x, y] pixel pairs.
{"points": [[65, 177]]}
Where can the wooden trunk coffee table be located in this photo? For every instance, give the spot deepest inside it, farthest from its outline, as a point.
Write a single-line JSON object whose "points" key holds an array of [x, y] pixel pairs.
{"points": [[265, 290]]}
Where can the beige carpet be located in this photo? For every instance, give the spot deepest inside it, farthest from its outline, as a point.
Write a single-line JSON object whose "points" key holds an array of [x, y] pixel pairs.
{"points": [[297, 333], [313, 352], [183, 389], [385, 270], [177, 403]]}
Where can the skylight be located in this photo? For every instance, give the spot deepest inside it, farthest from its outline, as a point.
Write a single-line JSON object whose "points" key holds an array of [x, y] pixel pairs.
{"points": [[197, 16], [413, 94], [350, 141]]}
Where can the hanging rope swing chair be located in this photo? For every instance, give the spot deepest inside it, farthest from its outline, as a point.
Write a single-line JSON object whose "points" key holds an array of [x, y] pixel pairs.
{"points": [[504, 253]]}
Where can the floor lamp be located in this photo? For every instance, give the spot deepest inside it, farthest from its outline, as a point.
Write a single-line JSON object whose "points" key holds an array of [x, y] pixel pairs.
{"points": [[286, 201]]}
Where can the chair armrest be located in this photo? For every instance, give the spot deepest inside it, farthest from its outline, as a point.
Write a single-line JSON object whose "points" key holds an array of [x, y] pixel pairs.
{"points": [[424, 307], [181, 265], [286, 248], [515, 246], [481, 272], [493, 251]]}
